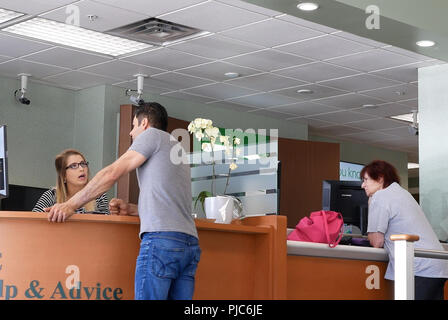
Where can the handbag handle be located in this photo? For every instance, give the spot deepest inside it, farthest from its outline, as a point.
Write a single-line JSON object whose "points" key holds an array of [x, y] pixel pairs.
{"points": [[334, 244]]}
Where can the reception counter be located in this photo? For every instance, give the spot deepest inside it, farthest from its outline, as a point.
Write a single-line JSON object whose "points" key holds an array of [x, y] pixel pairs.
{"points": [[93, 257], [97, 253]]}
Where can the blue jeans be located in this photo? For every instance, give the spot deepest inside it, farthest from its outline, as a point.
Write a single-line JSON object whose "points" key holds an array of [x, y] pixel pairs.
{"points": [[166, 266]]}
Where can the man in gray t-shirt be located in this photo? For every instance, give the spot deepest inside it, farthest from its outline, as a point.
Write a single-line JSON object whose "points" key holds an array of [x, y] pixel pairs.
{"points": [[169, 248]]}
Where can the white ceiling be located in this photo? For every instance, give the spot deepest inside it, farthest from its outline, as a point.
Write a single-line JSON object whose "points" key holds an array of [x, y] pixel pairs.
{"points": [[275, 55]]}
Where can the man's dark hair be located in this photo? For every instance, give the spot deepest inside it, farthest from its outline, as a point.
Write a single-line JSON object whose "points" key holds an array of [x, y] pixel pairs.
{"points": [[155, 113]]}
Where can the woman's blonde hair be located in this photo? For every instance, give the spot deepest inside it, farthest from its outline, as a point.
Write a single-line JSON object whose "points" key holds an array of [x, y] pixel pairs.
{"points": [[61, 185]]}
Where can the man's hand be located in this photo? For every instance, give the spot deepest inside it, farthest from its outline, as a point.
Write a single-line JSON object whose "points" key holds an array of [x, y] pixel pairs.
{"points": [[118, 206], [60, 212]]}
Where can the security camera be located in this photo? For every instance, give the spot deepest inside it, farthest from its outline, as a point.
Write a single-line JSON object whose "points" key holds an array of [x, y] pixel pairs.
{"points": [[23, 84], [137, 100], [413, 130]]}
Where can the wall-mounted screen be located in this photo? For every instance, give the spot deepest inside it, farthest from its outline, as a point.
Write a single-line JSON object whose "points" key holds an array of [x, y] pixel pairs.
{"points": [[349, 171]]}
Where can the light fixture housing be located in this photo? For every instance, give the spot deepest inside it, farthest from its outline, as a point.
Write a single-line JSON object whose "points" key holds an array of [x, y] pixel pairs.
{"points": [[425, 43], [307, 6], [305, 91], [231, 75], [8, 15], [77, 37]]}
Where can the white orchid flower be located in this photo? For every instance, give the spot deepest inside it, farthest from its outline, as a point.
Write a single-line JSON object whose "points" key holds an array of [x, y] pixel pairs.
{"points": [[237, 141], [191, 127], [199, 135], [197, 122], [212, 132], [238, 152], [233, 166]]}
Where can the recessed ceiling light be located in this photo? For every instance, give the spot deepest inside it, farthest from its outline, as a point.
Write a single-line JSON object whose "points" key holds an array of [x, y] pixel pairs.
{"points": [[425, 43], [232, 75], [73, 36], [307, 6], [7, 15], [305, 91], [369, 105]]}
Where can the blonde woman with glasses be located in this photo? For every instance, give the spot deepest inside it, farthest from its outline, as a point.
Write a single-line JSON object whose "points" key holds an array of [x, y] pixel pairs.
{"points": [[72, 175]]}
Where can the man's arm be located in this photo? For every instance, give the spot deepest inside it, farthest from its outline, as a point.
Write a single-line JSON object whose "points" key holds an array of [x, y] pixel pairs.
{"points": [[376, 239], [102, 182]]}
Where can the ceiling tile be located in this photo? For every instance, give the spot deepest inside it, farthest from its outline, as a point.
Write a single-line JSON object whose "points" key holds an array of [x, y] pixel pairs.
{"points": [[16, 47], [303, 109], [268, 60], [408, 53], [264, 100], [250, 7], [151, 7], [216, 70], [215, 47], [108, 17], [37, 70], [318, 92], [271, 114], [342, 117], [313, 124], [317, 71], [365, 41], [373, 60], [176, 81], [265, 82], [35, 6], [349, 101], [377, 124], [337, 130], [146, 87], [58, 56], [317, 48], [407, 73], [164, 58], [412, 103], [272, 32], [4, 58], [370, 136], [400, 131], [395, 93], [79, 79], [204, 16], [231, 106], [385, 110], [121, 69], [189, 97], [306, 23], [359, 83], [221, 91]]}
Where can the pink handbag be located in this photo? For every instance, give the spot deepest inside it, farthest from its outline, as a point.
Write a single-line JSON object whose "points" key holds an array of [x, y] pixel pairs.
{"points": [[322, 226]]}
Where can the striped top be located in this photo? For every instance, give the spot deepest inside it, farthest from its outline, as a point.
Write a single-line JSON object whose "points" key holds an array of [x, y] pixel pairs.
{"points": [[48, 199]]}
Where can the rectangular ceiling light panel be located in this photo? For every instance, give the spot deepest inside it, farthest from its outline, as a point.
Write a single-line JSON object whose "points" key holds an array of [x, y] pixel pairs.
{"points": [[77, 37], [7, 15]]}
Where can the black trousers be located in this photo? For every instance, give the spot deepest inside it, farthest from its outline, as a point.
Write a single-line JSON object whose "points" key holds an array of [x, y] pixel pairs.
{"points": [[429, 288]]}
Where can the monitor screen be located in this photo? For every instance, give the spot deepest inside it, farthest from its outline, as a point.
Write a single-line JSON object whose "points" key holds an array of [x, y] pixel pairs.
{"points": [[4, 190], [349, 171], [21, 198], [348, 198]]}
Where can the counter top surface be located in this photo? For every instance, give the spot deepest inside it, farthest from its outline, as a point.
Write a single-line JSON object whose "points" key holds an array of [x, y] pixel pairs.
{"points": [[301, 248]]}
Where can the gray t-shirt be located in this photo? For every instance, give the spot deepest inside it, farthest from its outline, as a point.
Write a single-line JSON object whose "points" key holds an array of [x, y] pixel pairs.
{"points": [[165, 198], [393, 210]]}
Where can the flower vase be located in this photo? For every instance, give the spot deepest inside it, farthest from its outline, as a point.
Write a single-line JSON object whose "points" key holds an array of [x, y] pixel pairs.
{"points": [[219, 208]]}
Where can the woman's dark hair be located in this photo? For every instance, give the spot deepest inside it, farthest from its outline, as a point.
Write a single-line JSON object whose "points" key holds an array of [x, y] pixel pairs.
{"points": [[381, 169], [155, 113]]}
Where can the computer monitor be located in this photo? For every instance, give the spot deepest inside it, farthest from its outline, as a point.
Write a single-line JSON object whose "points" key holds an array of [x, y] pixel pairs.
{"points": [[21, 198], [4, 189], [348, 198]]}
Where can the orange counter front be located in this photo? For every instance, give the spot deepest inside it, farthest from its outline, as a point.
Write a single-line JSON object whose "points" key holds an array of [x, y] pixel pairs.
{"points": [[44, 260]]}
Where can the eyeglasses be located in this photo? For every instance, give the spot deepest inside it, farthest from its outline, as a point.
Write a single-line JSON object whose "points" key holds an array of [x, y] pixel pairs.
{"points": [[83, 164]]}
